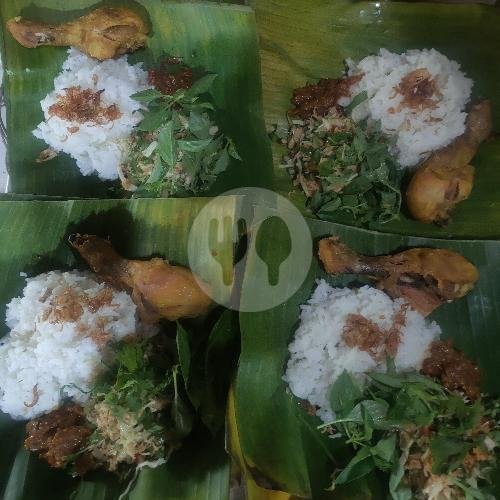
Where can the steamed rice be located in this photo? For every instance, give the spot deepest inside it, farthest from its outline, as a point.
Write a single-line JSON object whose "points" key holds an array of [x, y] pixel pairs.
{"points": [[48, 356], [318, 354], [417, 132], [98, 148]]}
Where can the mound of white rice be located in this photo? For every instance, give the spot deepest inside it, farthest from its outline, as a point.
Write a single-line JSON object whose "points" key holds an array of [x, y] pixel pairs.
{"points": [[61, 331], [95, 147], [319, 355], [417, 132]]}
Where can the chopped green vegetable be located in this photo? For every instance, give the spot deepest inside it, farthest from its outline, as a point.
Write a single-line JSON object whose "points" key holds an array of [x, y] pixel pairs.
{"points": [[127, 408], [345, 168], [177, 149], [432, 442]]}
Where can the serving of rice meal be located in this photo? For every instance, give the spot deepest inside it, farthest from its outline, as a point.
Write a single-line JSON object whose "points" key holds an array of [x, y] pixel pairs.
{"points": [[62, 328], [419, 97], [90, 114], [335, 322]]}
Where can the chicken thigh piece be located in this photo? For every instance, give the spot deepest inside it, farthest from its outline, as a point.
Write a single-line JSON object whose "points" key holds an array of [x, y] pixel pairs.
{"points": [[447, 177], [424, 277], [159, 289], [104, 33]]}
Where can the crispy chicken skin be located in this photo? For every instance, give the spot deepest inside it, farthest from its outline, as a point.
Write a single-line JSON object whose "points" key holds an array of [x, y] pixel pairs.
{"points": [[424, 277], [159, 289], [446, 178], [104, 33]]}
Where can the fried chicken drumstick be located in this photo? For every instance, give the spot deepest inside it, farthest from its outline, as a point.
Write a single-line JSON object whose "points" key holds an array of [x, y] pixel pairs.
{"points": [[159, 289], [104, 33], [424, 277], [446, 178]]}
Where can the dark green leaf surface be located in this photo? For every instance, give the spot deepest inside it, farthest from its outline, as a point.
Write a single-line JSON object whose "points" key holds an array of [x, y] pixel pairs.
{"points": [[220, 39], [303, 41], [198, 471], [278, 438], [34, 240]]}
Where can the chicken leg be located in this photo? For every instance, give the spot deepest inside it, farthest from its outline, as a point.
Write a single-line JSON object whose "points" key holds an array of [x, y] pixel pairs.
{"points": [[424, 277], [446, 178], [104, 33], [159, 289]]}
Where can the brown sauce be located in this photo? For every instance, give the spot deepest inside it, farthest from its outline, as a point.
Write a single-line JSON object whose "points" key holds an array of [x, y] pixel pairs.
{"points": [[168, 82], [320, 97], [452, 368], [60, 434]]}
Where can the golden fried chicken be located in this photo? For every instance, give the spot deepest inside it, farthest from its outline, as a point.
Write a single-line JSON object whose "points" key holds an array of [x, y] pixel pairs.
{"points": [[159, 289], [424, 277], [446, 178], [104, 33]]}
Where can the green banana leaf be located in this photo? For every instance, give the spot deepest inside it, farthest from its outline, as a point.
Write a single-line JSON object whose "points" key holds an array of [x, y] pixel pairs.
{"points": [[302, 41], [217, 38], [280, 442], [34, 239]]}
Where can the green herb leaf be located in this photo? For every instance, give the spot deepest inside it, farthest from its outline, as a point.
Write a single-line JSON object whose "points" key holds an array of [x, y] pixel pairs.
{"points": [[344, 395], [358, 99], [153, 120], [131, 356], [166, 144], [147, 95], [199, 124], [201, 86], [444, 450], [361, 465], [180, 412], [184, 352], [157, 173], [194, 146]]}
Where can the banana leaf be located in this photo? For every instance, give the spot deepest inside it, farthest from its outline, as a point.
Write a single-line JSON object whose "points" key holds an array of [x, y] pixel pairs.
{"points": [[303, 41], [34, 239], [217, 38], [280, 442]]}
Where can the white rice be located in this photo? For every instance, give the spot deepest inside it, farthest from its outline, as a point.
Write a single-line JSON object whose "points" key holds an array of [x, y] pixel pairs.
{"points": [[318, 354], [96, 148], [54, 358], [417, 132]]}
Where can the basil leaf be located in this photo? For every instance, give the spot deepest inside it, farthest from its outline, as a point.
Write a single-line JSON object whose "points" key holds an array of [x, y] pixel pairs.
{"points": [[199, 125], [358, 99], [384, 452], [194, 146], [443, 450], [200, 86], [166, 146], [344, 394], [361, 465], [147, 95], [153, 120]]}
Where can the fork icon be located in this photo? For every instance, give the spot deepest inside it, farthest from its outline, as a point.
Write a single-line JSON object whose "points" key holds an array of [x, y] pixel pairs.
{"points": [[223, 242]]}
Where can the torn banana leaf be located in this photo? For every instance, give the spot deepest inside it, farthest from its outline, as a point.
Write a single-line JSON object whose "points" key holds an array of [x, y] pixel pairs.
{"points": [[34, 240], [282, 446], [220, 39], [302, 42]]}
